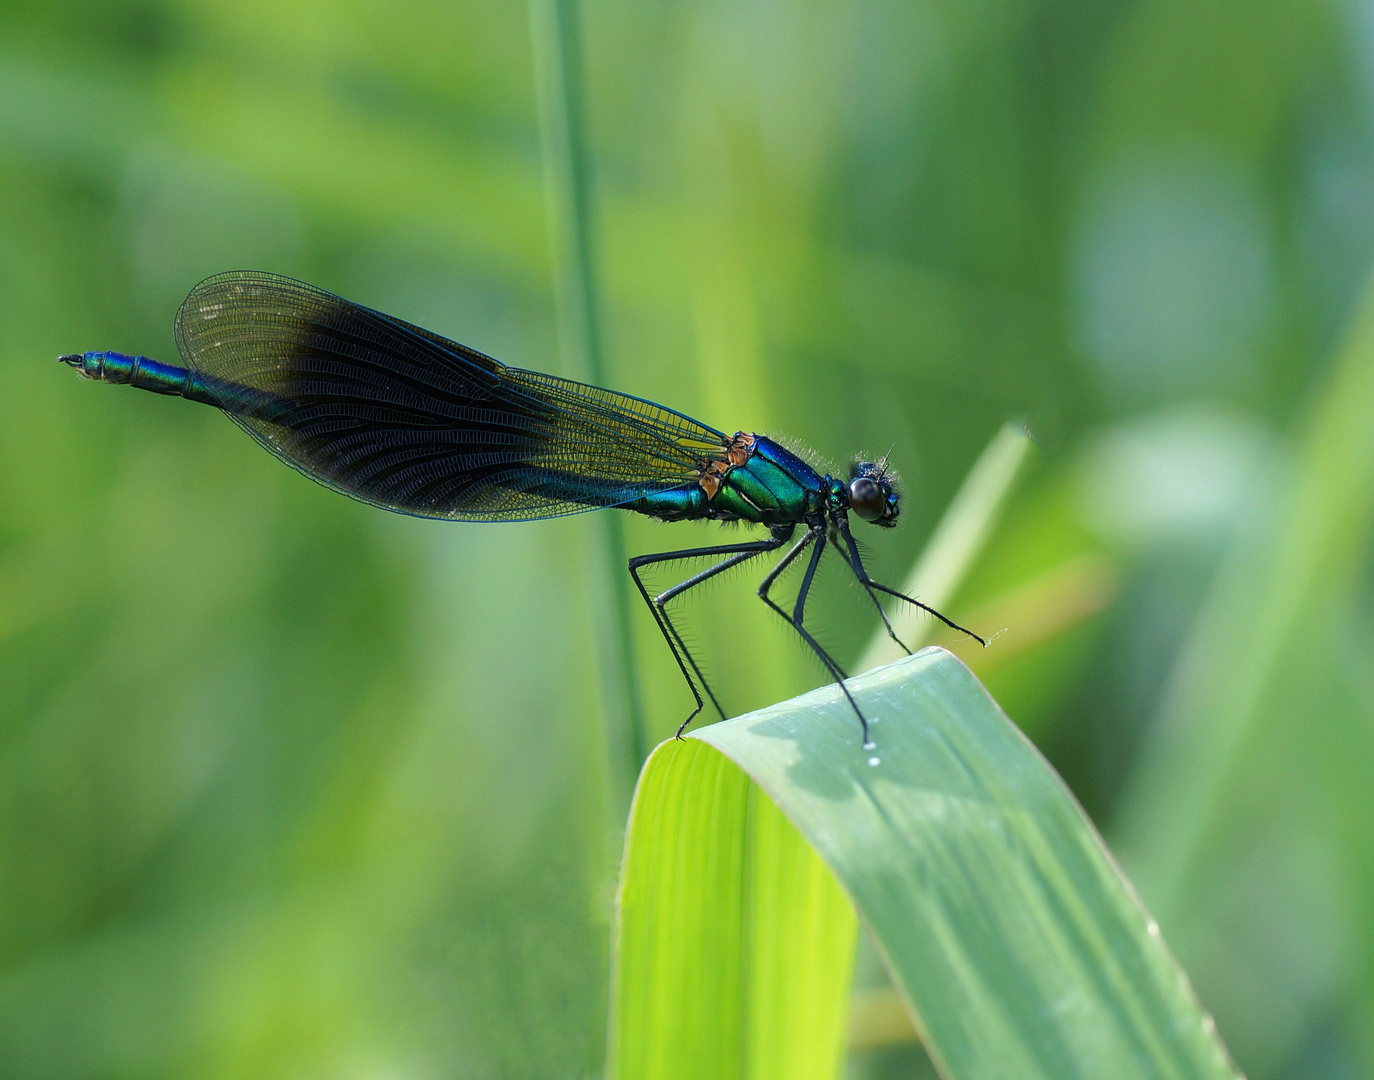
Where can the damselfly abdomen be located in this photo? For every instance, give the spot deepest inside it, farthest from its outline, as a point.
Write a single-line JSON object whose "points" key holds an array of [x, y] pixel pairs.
{"points": [[404, 419]]}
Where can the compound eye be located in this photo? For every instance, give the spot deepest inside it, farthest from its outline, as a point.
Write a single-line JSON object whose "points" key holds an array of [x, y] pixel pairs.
{"points": [[866, 499]]}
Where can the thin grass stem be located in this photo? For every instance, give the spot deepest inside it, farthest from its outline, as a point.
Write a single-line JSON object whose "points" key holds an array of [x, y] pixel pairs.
{"points": [[562, 116]]}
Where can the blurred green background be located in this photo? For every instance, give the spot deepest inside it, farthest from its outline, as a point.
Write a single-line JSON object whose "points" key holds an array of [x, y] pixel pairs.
{"points": [[290, 787]]}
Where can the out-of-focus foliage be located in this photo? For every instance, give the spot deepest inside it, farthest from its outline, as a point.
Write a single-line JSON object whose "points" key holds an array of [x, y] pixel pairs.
{"points": [[290, 786]]}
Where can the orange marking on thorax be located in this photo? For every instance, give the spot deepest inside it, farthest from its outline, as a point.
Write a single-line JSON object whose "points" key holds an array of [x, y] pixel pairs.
{"points": [[736, 452]]}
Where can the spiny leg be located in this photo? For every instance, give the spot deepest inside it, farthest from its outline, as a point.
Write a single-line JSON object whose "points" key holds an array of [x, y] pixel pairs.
{"points": [[816, 537], [856, 564], [812, 536], [661, 604], [852, 558], [740, 553], [657, 608]]}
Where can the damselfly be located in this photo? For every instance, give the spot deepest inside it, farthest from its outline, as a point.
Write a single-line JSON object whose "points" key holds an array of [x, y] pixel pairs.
{"points": [[404, 419]]}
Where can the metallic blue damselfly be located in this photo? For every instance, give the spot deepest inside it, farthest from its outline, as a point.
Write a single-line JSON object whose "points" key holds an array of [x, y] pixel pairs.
{"points": [[398, 417]]}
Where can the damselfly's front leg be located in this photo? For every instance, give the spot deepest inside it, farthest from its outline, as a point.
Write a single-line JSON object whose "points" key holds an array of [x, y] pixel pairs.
{"points": [[856, 564], [852, 558]]}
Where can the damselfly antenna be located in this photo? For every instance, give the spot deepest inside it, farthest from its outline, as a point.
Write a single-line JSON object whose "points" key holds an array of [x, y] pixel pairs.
{"points": [[882, 465]]}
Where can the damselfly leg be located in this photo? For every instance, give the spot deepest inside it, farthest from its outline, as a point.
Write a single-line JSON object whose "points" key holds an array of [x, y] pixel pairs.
{"points": [[868, 586], [851, 557], [738, 554], [814, 537], [856, 564], [658, 605]]}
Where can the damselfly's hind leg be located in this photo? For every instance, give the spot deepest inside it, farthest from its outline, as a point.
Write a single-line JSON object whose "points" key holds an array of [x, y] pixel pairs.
{"points": [[658, 605]]}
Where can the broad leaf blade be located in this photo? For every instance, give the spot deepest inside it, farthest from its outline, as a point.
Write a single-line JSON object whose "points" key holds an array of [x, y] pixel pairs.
{"points": [[1018, 946], [734, 943]]}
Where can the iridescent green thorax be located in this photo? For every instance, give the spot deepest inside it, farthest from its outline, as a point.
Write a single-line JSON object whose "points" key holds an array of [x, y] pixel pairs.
{"points": [[754, 479], [773, 487]]}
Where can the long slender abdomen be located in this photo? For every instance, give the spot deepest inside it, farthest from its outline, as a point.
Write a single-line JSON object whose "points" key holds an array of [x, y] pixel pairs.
{"points": [[159, 378]]}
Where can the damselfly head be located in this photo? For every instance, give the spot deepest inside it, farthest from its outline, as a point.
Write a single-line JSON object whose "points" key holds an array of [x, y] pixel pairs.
{"points": [[871, 493]]}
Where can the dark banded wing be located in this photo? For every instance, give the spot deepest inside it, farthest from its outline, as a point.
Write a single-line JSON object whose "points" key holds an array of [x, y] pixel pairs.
{"points": [[404, 419]]}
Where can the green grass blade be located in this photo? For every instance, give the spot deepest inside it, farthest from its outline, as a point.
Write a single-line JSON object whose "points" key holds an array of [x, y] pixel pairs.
{"points": [[563, 125], [717, 892], [1018, 946], [1286, 593], [956, 543]]}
